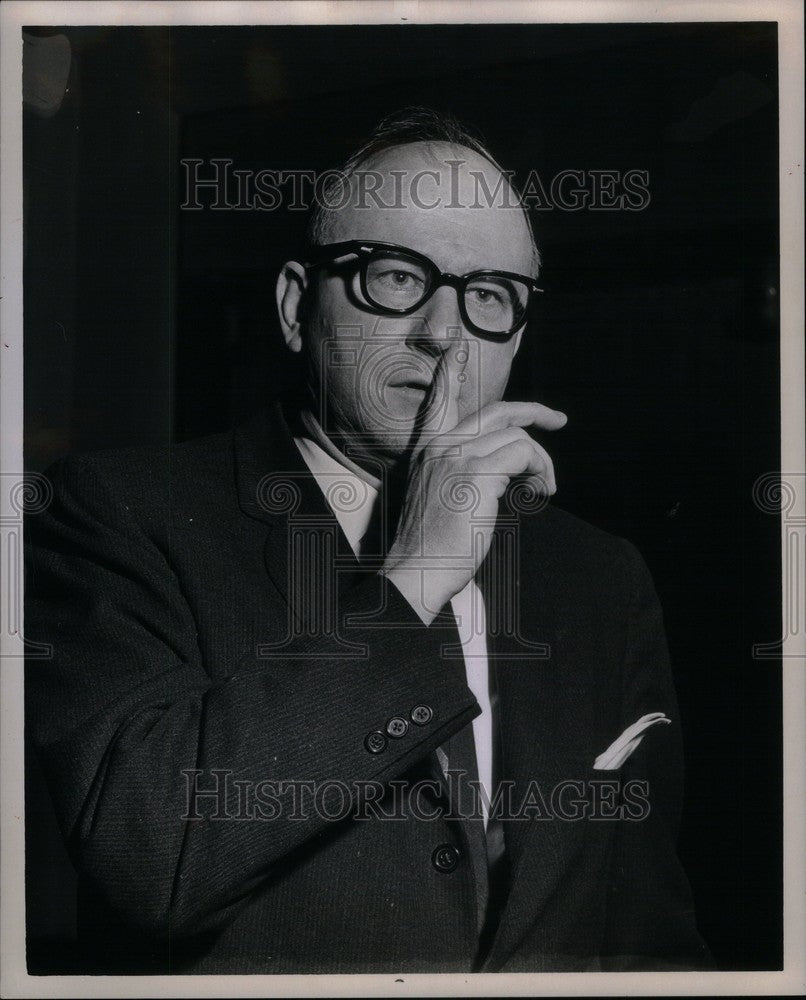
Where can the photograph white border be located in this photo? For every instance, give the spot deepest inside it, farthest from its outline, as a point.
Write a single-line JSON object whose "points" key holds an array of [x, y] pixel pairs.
{"points": [[14, 980]]}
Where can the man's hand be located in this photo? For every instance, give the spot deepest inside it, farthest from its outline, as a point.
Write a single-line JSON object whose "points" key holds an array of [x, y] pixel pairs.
{"points": [[459, 471]]}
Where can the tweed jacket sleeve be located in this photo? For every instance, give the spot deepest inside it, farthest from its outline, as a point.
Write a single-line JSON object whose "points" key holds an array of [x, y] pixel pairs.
{"points": [[129, 715]]}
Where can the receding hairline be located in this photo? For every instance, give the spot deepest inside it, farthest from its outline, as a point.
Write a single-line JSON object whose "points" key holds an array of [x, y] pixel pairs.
{"points": [[432, 148]]}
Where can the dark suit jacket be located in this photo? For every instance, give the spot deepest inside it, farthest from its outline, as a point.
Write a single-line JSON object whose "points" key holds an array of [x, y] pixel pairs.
{"points": [[181, 591]]}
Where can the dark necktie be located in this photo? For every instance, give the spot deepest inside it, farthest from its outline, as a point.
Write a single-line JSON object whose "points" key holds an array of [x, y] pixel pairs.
{"points": [[460, 751], [486, 848], [498, 868]]}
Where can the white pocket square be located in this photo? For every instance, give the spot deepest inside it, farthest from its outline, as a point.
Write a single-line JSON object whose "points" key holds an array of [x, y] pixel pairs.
{"points": [[620, 750]]}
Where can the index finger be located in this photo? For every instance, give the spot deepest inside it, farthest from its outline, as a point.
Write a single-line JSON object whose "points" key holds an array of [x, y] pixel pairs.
{"points": [[442, 408], [498, 416]]}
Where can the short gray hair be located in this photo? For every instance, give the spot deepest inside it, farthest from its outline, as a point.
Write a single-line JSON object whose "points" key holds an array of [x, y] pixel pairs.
{"points": [[412, 124]]}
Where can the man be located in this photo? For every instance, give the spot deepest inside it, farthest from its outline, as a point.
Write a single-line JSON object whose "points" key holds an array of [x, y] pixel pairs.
{"points": [[341, 691]]}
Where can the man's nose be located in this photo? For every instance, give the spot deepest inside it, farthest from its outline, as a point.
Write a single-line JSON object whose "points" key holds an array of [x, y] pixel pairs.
{"points": [[438, 323]]}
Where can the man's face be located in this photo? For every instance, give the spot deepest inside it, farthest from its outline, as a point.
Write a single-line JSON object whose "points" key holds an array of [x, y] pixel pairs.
{"points": [[375, 373]]}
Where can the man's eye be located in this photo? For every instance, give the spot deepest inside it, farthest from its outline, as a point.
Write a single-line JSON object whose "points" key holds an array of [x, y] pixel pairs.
{"points": [[484, 296], [398, 279]]}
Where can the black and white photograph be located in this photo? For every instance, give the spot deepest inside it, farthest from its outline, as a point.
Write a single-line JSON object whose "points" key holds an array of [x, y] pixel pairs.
{"points": [[403, 498]]}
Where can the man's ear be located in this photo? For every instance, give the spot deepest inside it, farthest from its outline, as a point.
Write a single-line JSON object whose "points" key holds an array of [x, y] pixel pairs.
{"points": [[518, 336], [291, 284]]}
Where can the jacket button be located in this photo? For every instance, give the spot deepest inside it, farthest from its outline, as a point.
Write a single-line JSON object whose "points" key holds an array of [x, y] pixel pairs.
{"points": [[421, 715], [445, 858], [375, 742], [397, 727]]}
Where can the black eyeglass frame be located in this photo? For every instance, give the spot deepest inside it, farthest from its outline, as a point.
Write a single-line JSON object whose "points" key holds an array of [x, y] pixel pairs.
{"points": [[367, 250]]}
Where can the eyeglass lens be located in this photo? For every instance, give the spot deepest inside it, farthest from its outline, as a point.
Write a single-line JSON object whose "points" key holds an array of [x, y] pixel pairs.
{"points": [[493, 303]]}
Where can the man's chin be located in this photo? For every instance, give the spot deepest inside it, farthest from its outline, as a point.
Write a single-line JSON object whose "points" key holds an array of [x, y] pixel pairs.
{"points": [[388, 449]]}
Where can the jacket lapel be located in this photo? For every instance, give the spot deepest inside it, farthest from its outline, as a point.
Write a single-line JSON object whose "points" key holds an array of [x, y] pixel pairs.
{"points": [[306, 554], [535, 755]]}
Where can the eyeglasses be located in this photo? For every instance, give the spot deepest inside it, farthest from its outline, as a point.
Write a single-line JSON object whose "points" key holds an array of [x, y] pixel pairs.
{"points": [[395, 281]]}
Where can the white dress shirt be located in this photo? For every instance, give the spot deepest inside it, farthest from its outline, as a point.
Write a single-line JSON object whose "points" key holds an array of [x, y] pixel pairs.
{"points": [[467, 605]]}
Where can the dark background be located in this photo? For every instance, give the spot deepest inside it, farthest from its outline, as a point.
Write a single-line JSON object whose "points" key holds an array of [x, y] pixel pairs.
{"points": [[658, 334]]}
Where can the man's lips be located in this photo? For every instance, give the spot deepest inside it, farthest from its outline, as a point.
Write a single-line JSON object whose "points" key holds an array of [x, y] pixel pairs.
{"points": [[411, 393], [412, 383]]}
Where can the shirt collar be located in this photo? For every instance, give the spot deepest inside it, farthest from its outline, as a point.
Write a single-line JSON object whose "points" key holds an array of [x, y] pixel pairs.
{"points": [[351, 498]]}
